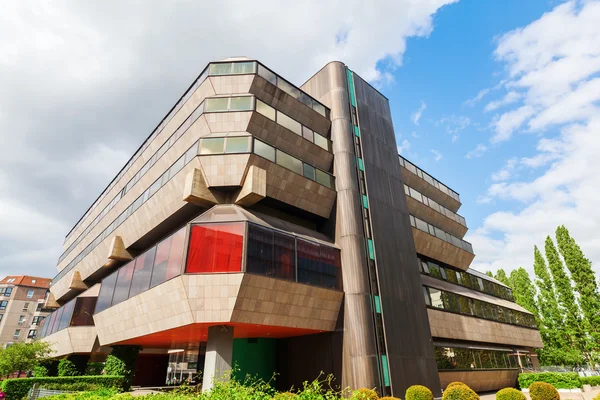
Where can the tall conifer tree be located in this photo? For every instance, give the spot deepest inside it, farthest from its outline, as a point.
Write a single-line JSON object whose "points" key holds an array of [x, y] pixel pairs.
{"points": [[523, 290]]}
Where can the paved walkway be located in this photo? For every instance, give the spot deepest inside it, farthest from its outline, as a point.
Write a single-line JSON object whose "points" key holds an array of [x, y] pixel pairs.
{"points": [[563, 396]]}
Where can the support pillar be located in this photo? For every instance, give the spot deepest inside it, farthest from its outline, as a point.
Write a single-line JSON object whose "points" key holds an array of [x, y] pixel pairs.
{"points": [[217, 362]]}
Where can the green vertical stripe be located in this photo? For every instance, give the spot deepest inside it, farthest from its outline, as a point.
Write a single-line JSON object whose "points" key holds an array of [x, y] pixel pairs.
{"points": [[361, 164], [377, 304], [371, 249], [386, 371], [356, 131], [365, 201], [351, 88]]}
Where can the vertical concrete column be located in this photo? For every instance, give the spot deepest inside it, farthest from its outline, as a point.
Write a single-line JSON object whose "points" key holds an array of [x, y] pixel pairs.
{"points": [[217, 363]]}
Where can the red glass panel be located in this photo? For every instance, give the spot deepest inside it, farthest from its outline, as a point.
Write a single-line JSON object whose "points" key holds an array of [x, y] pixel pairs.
{"points": [[84, 309], [215, 248]]}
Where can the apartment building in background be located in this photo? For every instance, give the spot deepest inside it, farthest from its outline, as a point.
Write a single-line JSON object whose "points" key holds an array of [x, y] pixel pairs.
{"points": [[276, 228], [22, 300]]}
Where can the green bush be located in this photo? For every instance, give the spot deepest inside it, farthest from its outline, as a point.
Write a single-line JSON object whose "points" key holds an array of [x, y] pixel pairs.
{"points": [[389, 398], [510, 394], [543, 391], [597, 397], [418, 392], [40, 371], [100, 394], [285, 396], [94, 368], [365, 394], [590, 380], [459, 391], [18, 388], [67, 368], [560, 380], [71, 387]]}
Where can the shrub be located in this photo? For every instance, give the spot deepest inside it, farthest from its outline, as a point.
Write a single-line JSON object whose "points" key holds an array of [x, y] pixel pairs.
{"points": [[418, 392], [18, 388], [94, 368], [40, 371], [121, 361], [365, 394], [67, 368], [388, 398], [590, 380], [285, 396], [100, 394], [543, 391], [510, 394], [560, 380], [459, 391], [597, 397], [71, 387]]}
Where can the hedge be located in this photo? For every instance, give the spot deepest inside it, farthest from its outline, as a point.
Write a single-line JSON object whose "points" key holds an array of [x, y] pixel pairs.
{"points": [[560, 380], [590, 380], [18, 388]]}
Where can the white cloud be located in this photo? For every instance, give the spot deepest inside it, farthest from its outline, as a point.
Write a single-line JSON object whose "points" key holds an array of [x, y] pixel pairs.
{"points": [[404, 147], [553, 62], [505, 172], [437, 156], [417, 114], [509, 98], [84, 84], [454, 124], [477, 152], [472, 101]]}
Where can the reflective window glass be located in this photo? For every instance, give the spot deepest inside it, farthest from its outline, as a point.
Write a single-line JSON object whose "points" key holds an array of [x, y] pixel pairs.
{"points": [[318, 107], [175, 168], [65, 317], [142, 272], [436, 298], [264, 150], [216, 104], [309, 268], [268, 75], [422, 225], [212, 146], [169, 258], [289, 123], [265, 109], [321, 141], [123, 283], [237, 144], [106, 292], [331, 264], [324, 179], [288, 88], [215, 248], [83, 312], [307, 134], [289, 162], [220, 69], [309, 171], [243, 103], [426, 295], [191, 153], [244, 67], [260, 251]]}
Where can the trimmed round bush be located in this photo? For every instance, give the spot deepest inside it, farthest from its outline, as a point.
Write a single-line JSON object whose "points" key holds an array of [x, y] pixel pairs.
{"points": [[418, 392], [365, 394], [388, 398], [543, 391], [459, 391], [510, 394], [597, 397]]}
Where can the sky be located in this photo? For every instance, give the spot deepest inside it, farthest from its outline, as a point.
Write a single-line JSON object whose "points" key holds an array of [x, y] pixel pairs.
{"points": [[497, 99]]}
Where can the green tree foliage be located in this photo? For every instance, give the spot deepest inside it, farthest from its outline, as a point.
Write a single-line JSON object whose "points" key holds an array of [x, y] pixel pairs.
{"points": [[502, 277], [67, 368], [523, 290], [121, 361], [585, 284], [23, 357]]}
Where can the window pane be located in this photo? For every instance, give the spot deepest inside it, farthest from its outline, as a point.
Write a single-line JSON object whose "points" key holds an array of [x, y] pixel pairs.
{"points": [[84, 309], [260, 251], [325, 179], [142, 272], [436, 298], [289, 123], [243, 67], [268, 75], [426, 295], [289, 89], [106, 292], [309, 171], [309, 256], [264, 150], [284, 260], [212, 146], [123, 283], [321, 141], [191, 153], [237, 144], [331, 263], [319, 108], [416, 195], [265, 109], [65, 317], [176, 254], [422, 225], [220, 69], [241, 103], [175, 168], [307, 134], [289, 162], [215, 248], [216, 104]]}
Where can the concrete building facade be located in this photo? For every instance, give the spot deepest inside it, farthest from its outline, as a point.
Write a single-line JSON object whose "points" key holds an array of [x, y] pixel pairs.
{"points": [[262, 222], [22, 311]]}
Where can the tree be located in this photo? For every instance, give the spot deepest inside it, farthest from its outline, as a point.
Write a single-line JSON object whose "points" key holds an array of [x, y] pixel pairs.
{"points": [[23, 357], [585, 284], [490, 274], [571, 331], [523, 290], [501, 277], [67, 368]]}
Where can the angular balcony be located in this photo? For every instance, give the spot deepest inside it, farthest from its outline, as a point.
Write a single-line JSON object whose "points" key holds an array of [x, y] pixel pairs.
{"points": [[416, 178], [429, 210], [439, 245], [230, 266]]}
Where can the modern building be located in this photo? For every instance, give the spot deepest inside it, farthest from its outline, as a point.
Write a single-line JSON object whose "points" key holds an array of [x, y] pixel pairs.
{"points": [[275, 228], [22, 300]]}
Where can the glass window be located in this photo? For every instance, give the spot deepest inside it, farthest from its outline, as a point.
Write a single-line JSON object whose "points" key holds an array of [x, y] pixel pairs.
{"points": [[215, 248], [324, 179], [268, 75], [237, 144], [288, 88], [142, 272], [321, 141], [451, 302], [220, 69], [175, 168], [30, 294], [216, 104], [153, 189], [318, 265], [212, 146], [289, 162], [244, 67], [83, 312], [307, 134], [169, 258], [242, 103], [318, 107], [426, 295], [436, 298], [264, 150], [265, 109], [191, 153], [464, 358], [416, 195], [422, 225], [123, 283], [65, 318], [331, 262], [309, 171], [289, 123], [434, 269], [260, 251]]}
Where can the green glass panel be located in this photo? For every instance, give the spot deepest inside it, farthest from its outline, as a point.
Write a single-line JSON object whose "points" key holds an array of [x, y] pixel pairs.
{"points": [[365, 201], [377, 304], [361, 164], [371, 249], [356, 131], [351, 88], [386, 371]]}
